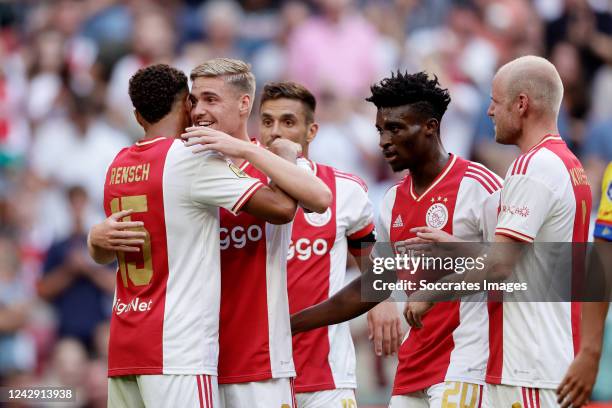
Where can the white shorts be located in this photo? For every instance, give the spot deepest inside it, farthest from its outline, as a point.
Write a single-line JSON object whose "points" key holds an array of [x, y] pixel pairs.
{"points": [[339, 398], [447, 394], [153, 391], [520, 397], [276, 392]]}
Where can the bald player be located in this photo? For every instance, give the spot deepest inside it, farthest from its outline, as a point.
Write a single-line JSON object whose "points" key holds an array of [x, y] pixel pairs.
{"points": [[533, 343], [545, 198]]}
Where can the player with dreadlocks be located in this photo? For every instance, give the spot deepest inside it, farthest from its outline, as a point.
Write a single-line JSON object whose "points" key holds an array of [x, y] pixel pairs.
{"points": [[443, 358]]}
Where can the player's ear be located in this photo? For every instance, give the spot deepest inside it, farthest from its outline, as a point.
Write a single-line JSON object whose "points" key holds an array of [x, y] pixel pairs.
{"points": [[433, 126], [523, 103], [141, 121], [313, 128], [245, 104]]}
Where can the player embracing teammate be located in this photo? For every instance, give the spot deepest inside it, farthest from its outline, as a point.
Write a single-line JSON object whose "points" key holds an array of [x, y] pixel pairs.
{"points": [[164, 344], [255, 361]]}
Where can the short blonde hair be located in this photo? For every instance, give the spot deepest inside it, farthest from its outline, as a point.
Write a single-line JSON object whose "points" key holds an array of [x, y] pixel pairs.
{"points": [[538, 78], [235, 72]]}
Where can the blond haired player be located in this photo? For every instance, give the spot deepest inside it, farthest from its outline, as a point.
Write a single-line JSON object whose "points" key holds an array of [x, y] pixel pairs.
{"points": [[255, 363]]}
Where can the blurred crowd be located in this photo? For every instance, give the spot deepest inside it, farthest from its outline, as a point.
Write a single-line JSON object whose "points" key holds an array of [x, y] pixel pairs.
{"points": [[65, 113]]}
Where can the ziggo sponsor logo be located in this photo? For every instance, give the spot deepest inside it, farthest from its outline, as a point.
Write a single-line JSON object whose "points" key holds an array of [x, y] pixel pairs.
{"points": [[239, 236], [305, 248], [136, 305]]}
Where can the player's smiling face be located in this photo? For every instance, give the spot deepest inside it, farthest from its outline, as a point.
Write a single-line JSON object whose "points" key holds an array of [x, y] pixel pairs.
{"points": [[403, 136], [216, 104], [285, 119]]}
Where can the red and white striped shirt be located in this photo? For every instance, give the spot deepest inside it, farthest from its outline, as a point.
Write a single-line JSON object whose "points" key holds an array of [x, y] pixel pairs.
{"points": [[325, 357], [453, 342], [546, 198], [255, 332], [166, 310]]}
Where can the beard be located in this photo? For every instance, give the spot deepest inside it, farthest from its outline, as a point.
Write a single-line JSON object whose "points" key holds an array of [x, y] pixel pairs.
{"points": [[508, 134]]}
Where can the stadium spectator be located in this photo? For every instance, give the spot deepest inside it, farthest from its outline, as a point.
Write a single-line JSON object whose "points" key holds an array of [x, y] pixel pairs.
{"points": [[346, 138], [14, 125], [17, 352], [222, 20], [47, 74], [78, 289], [85, 138], [597, 152], [270, 60], [68, 368], [335, 64], [589, 29], [153, 41]]}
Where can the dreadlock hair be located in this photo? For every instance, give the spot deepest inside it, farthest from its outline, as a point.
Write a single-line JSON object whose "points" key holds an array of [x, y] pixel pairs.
{"points": [[423, 94], [154, 89]]}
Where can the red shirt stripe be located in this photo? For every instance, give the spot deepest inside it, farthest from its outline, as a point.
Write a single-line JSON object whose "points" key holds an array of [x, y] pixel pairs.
{"points": [[199, 381], [246, 196], [489, 175], [481, 180], [352, 177], [513, 234]]}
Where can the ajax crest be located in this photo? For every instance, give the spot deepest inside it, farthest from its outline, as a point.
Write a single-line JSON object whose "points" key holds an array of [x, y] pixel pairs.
{"points": [[318, 220], [437, 216]]}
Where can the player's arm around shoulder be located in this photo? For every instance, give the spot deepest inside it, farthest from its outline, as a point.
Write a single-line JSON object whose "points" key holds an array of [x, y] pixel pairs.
{"points": [[220, 183], [298, 183]]}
